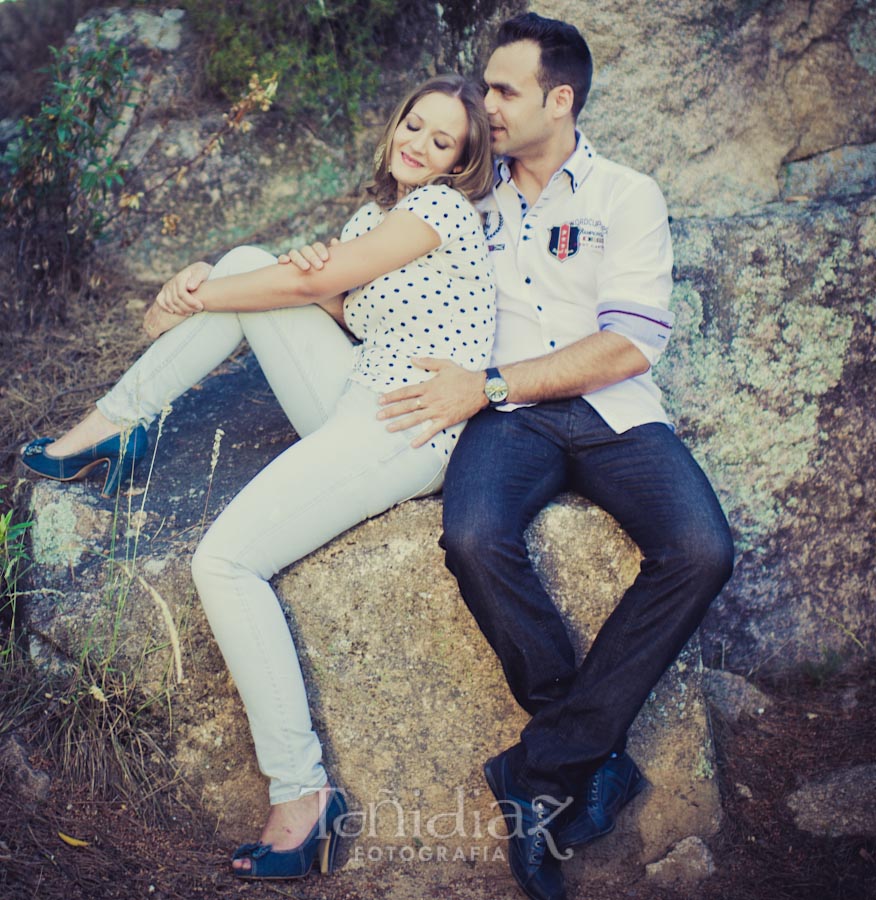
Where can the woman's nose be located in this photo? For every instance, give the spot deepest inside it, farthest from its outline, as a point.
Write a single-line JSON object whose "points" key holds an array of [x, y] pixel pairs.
{"points": [[418, 142]]}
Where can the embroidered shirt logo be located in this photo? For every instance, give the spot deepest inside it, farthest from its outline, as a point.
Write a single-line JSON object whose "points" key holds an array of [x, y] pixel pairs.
{"points": [[564, 241], [591, 234]]}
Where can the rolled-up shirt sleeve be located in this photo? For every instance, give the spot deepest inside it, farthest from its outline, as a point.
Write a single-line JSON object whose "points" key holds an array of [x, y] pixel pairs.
{"points": [[635, 279]]}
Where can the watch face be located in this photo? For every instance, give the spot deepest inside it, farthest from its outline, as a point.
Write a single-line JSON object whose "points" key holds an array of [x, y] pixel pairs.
{"points": [[496, 390]]}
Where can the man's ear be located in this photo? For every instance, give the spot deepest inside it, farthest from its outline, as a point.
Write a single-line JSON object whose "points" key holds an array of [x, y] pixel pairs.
{"points": [[562, 97]]}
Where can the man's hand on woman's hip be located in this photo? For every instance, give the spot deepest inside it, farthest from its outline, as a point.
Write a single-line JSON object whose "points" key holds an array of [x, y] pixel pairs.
{"points": [[450, 396]]}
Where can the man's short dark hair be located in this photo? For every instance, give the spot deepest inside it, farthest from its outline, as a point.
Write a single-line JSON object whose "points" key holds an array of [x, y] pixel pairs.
{"points": [[565, 56]]}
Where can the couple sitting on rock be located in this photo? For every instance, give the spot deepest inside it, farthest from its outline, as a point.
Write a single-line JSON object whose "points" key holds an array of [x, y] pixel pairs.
{"points": [[488, 321]]}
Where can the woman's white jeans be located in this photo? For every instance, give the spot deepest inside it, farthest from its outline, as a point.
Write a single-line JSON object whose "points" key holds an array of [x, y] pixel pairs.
{"points": [[345, 468]]}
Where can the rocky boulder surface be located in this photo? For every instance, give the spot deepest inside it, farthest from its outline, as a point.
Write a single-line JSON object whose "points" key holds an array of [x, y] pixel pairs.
{"points": [[843, 803]]}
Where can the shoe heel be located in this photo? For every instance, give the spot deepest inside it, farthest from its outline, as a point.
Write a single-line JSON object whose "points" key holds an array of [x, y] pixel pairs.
{"points": [[113, 478], [328, 848], [122, 465], [330, 831]]}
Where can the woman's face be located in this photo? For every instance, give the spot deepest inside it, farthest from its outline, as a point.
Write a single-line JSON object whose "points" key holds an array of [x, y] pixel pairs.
{"points": [[428, 141]]}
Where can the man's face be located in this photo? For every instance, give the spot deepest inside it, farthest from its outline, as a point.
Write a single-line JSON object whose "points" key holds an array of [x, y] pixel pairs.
{"points": [[514, 100]]}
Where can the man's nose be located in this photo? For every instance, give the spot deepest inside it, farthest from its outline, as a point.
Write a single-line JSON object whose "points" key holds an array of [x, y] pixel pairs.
{"points": [[490, 102]]}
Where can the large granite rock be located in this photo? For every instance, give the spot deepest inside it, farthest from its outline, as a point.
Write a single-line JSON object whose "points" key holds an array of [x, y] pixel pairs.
{"points": [[759, 121], [770, 378], [278, 183], [717, 101], [843, 803], [405, 690]]}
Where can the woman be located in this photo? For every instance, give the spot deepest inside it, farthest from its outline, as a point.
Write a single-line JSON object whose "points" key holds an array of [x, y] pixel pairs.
{"points": [[413, 268]]}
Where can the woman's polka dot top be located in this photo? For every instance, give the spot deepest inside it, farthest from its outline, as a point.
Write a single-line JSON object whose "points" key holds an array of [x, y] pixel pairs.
{"points": [[441, 304]]}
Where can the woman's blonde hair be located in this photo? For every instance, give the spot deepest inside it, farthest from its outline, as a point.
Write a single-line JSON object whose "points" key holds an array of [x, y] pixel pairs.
{"points": [[475, 177]]}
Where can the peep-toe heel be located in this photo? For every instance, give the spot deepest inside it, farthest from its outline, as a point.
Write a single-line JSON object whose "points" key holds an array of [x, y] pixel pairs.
{"points": [[121, 453], [320, 846]]}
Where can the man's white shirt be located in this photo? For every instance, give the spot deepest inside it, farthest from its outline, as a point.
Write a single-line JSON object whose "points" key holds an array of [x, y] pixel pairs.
{"points": [[593, 253]]}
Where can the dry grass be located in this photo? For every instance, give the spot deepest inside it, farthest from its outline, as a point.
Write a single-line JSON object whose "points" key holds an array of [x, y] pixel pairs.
{"points": [[52, 375]]}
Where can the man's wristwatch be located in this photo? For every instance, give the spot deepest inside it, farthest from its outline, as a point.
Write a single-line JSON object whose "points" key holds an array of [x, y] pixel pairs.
{"points": [[495, 387]]}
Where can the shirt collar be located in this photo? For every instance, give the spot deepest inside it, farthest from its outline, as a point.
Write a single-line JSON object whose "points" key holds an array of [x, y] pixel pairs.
{"points": [[577, 166]]}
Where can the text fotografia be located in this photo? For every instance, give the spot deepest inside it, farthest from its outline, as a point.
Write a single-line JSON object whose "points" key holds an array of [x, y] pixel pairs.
{"points": [[426, 853], [424, 836]]}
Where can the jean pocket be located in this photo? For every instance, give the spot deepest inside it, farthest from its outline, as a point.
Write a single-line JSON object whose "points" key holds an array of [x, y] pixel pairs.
{"points": [[404, 473]]}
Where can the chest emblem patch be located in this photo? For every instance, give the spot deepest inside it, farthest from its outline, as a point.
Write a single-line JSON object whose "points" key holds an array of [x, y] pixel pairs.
{"points": [[564, 241]]}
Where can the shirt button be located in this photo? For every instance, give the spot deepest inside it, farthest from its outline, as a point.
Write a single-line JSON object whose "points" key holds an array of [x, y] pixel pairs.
{"points": [[553, 343], [528, 280]]}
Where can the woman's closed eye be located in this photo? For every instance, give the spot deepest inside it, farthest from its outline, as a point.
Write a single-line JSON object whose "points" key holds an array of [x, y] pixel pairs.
{"points": [[412, 127]]}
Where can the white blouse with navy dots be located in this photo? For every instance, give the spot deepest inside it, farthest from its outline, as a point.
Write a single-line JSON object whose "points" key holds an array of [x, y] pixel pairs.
{"points": [[441, 304]]}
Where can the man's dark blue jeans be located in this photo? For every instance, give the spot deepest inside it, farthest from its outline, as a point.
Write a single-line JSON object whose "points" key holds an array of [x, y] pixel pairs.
{"points": [[507, 467]]}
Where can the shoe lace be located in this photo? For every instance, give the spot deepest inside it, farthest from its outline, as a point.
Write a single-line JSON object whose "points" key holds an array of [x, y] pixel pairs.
{"points": [[539, 832], [595, 785]]}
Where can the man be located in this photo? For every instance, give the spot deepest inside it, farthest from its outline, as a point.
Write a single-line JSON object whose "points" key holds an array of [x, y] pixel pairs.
{"points": [[583, 261]]}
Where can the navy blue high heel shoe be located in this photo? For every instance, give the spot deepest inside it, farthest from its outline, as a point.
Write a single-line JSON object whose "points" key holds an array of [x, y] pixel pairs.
{"points": [[121, 453], [322, 844]]}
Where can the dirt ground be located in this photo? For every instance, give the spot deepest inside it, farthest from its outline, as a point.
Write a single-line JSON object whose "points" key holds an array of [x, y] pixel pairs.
{"points": [[821, 721], [812, 728]]}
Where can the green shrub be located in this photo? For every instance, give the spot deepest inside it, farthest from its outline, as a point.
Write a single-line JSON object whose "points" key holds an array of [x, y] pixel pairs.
{"points": [[67, 178], [62, 173], [326, 52]]}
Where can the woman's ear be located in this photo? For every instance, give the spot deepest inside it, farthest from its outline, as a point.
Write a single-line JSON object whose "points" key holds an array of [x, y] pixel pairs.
{"points": [[456, 170]]}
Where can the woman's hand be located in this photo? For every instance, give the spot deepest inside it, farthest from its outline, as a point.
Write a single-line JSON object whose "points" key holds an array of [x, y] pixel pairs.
{"points": [[310, 256], [177, 296], [158, 320]]}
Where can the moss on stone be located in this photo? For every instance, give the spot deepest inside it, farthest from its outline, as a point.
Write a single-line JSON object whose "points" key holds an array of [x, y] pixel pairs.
{"points": [[748, 368], [55, 541]]}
